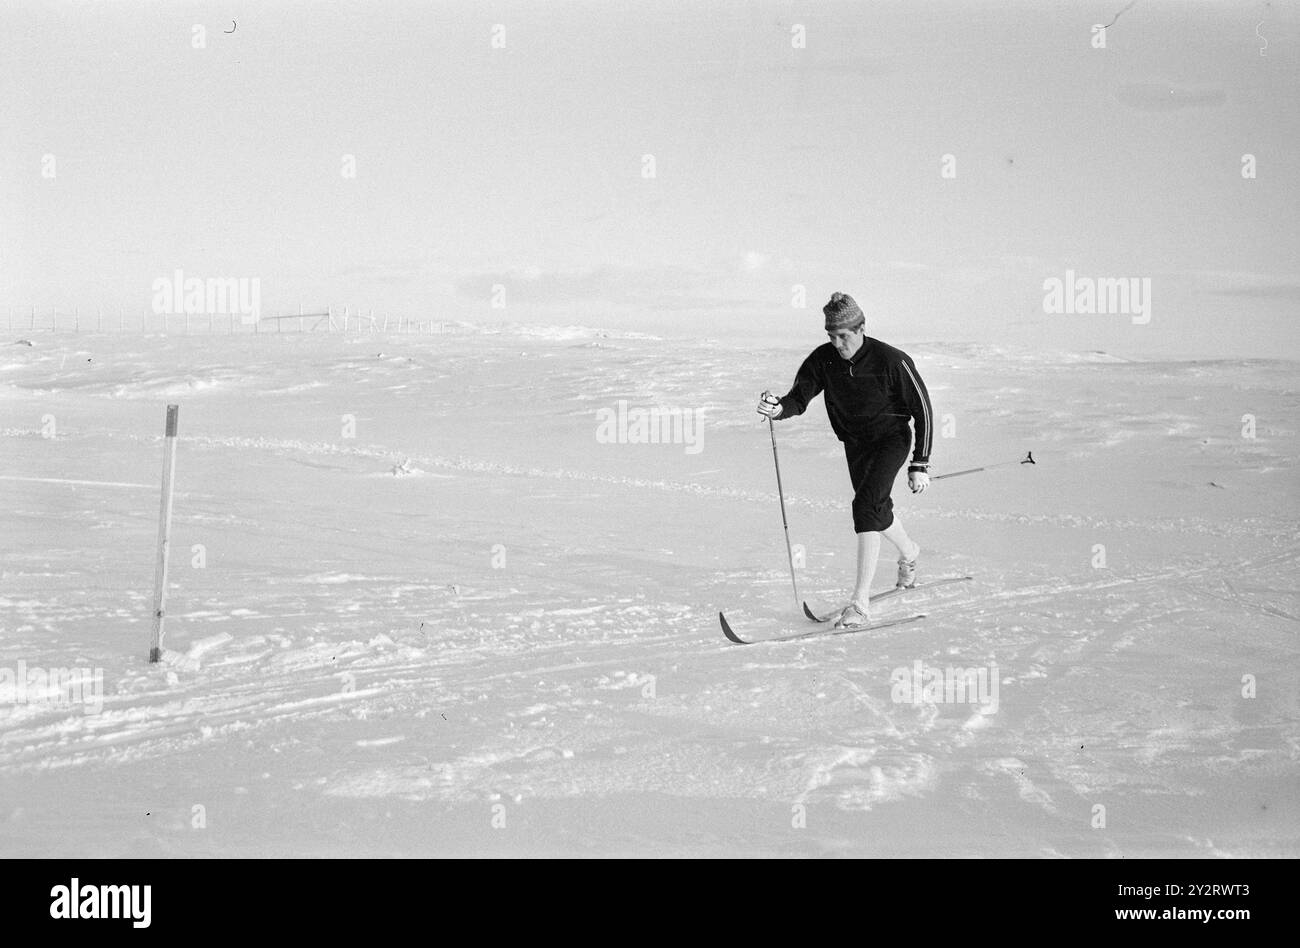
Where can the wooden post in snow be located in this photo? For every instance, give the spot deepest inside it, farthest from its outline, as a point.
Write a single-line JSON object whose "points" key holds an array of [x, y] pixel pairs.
{"points": [[164, 533]]}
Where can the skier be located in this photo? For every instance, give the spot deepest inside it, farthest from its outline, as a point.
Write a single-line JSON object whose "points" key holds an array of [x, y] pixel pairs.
{"points": [[871, 390]]}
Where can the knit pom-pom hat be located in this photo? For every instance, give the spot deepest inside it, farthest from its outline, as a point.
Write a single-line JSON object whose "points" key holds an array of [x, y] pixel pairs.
{"points": [[843, 313]]}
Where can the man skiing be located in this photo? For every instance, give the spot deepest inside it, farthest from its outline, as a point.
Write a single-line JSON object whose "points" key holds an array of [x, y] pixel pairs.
{"points": [[871, 390]]}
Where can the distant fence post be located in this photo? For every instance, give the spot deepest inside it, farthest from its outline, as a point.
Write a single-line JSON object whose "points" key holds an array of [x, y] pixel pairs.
{"points": [[164, 533]]}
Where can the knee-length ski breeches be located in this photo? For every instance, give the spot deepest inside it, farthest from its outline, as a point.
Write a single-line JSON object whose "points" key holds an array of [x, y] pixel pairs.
{"points": [[873, 466]]}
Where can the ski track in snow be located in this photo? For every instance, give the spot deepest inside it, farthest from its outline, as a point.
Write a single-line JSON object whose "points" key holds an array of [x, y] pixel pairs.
{"points": [[1189, 524]]}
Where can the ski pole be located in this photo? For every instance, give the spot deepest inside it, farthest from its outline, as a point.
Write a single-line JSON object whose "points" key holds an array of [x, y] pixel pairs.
{"points": [[771, 429], [1029, 459]]}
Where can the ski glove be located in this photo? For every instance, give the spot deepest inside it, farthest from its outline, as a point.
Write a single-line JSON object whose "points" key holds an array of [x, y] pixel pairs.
{"points": [[917, 479], [769, 405]]}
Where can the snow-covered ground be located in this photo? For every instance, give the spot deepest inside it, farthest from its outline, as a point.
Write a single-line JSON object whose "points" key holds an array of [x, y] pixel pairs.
{"points": [[475, 628]]}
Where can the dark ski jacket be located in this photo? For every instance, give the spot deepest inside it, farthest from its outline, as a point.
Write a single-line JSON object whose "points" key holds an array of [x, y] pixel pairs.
{"points": [[868, 397]]}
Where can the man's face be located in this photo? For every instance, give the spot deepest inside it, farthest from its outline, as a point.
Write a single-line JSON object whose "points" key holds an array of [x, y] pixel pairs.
{"points": [[847, 341]]}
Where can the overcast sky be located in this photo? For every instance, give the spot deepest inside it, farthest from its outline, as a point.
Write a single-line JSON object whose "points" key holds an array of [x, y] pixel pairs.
{"points": [[774, 165]]}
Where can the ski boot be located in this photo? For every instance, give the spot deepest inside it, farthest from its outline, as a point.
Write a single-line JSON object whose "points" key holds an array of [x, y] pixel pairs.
{"points": [[853, 616], [907, 572]]}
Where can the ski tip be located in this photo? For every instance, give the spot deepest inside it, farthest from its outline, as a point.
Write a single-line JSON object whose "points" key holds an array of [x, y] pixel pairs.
{"points": [[726, 630], [809, 613]]}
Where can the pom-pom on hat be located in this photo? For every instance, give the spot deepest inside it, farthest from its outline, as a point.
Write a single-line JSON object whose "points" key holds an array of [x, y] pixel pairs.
{"points": [[843, 313]]}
